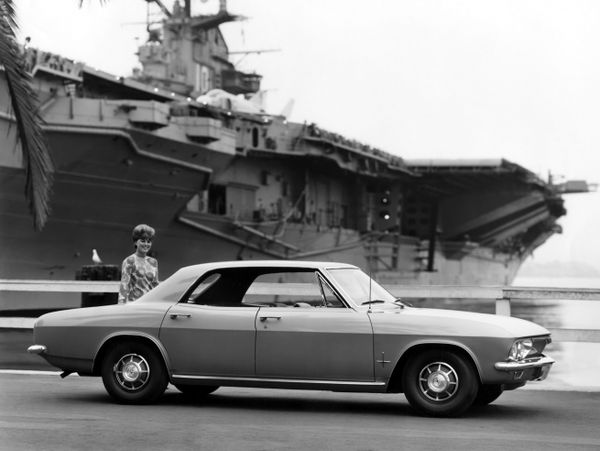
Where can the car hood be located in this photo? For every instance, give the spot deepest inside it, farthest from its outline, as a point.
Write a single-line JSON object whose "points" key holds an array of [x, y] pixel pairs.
{"points": [[452, 322]]}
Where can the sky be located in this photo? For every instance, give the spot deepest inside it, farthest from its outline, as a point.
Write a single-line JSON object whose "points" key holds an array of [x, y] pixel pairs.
{"points": [[514, 79]]}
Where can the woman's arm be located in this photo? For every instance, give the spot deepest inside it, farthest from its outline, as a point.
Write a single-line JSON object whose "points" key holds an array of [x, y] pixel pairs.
{"points": [[154, 262], [125, 286]]}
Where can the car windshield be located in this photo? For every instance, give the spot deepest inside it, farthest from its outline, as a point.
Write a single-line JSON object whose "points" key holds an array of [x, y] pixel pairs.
{"points": [[361, 289]]}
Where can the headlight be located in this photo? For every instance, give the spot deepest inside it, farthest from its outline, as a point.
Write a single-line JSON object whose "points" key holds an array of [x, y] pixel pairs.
{"points": [[521, 349]]}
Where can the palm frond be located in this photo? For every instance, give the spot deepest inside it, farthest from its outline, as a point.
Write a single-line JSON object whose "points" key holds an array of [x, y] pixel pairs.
{"points": [[37, 162], [7, 11]]}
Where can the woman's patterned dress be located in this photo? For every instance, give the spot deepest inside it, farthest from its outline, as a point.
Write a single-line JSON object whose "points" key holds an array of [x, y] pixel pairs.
{"points": [[138, 276]]}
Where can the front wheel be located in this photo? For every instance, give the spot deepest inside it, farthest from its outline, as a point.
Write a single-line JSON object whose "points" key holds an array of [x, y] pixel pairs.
{"points": [[134, 373], [440, 383]]}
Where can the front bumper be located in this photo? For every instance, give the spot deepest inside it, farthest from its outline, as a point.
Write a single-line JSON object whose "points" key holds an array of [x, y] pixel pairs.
{"points": [[534, 369]]}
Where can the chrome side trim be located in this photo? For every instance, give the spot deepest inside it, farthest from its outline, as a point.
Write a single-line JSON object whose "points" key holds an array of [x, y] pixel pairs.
{"points": [[36, 349], [524, 365], [278, 381]]}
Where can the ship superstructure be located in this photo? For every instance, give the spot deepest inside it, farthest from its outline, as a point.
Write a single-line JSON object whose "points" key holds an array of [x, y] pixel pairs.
{"points": [[171, 146]]}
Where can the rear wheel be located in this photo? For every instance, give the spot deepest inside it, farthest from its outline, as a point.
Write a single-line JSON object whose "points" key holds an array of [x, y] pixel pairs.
{"points": [[134, 373], [488, 394], [440, 383]]}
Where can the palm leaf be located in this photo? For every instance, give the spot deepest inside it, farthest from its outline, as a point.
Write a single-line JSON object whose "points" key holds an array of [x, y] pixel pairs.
{"points": [[7, 10], [37, 162]]}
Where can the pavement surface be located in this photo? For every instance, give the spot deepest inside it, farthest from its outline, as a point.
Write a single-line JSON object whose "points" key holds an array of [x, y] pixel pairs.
{"points": [[40, 411]]}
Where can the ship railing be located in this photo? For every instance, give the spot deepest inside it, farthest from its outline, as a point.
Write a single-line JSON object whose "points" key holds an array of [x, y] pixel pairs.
{"points": [[36, 59], [502, 296]]}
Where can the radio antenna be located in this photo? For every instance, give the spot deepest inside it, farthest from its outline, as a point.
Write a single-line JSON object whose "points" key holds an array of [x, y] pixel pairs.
{"points": [[370, 279]]}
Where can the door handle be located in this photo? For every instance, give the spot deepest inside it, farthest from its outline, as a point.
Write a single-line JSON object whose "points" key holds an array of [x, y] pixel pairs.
{"points": [[264, 318], [180, 315]]}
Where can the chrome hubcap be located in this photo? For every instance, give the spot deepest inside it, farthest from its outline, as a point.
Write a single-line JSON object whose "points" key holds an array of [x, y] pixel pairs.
{"points": [[438, 381], [132, 372]]}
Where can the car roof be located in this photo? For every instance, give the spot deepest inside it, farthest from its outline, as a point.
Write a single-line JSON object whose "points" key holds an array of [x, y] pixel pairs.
{"points": [[267, 263], [171, 289]]}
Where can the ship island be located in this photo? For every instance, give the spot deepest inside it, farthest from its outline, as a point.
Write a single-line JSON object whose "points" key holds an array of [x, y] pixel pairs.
{"points": [[183, 145]]}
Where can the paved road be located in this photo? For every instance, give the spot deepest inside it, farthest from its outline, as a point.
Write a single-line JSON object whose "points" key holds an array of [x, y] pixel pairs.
{"points": [[13, 351], [45, 412]]}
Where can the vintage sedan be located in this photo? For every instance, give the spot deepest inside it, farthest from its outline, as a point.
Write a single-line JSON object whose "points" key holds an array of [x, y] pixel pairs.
{"points": [[292, 324]]}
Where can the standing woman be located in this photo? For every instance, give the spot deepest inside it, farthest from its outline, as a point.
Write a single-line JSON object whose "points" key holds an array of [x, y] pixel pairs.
{"points": [[139, 273]]}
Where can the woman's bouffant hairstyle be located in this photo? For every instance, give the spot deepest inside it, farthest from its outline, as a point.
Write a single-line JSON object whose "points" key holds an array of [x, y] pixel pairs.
{"points": [[142, 231]]}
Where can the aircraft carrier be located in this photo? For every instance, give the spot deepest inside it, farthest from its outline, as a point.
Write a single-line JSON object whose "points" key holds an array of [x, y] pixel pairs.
{"points": [[183, 145]]}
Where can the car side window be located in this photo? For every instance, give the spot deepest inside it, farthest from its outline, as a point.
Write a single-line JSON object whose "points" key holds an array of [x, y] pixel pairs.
{"points": [[263, 287], [331, 299], [202, 287], [290, 289]]}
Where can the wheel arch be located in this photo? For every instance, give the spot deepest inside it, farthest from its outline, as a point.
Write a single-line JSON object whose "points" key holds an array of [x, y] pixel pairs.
{"points": [[121, 337], [395, 383]]}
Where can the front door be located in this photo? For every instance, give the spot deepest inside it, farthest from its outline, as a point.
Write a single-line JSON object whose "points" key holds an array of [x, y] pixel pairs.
{"points": [[305, 331], [317, 343]]}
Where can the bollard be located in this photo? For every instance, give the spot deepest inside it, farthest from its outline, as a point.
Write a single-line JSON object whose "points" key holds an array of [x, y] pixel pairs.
{"points": [[503, 306], [98, 272]]}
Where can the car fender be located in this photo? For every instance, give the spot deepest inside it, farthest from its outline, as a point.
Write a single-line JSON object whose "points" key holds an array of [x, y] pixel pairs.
{"points": [[137, 334], [443, 342]]}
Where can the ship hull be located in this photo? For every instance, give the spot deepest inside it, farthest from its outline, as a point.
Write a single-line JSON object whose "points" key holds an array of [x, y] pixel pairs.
{"points": [[91, 215], [87, 216]]}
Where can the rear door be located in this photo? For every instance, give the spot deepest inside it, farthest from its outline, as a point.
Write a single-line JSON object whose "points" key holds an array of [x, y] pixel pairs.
{"points": [[210, 340], [211, 333]]}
